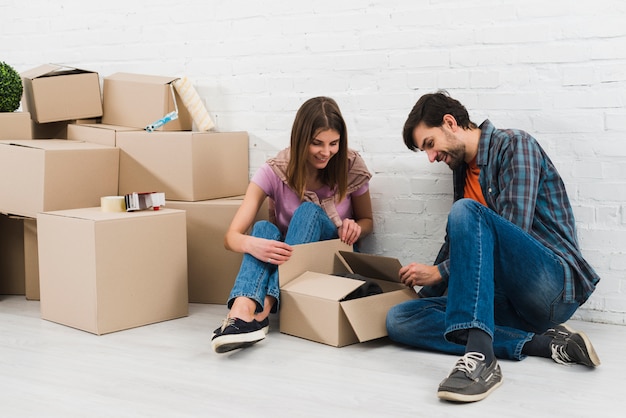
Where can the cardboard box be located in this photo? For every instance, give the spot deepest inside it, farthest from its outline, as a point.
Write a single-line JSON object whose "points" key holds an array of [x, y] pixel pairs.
{"points": [[55, 93], [107, 271], [137, 100], [97, 133], [312, 295], [31, 259], [11, 255], [44, 175], [188, 166], [15, 125], [211, 267]]}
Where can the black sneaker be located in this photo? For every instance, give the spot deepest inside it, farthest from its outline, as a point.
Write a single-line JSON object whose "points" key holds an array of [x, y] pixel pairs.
{"points": [[471, 379], [235, 334], [572, 347], [561, 331], [265, 325]]}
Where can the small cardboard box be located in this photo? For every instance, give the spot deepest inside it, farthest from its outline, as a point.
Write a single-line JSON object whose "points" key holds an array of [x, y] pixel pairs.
{"points": [[43, 175], [56, 93], [12, 280], [15, 125], [212, 268], [138, 100], [107, 271], [312, 295], [96, 133], [188, 166]]}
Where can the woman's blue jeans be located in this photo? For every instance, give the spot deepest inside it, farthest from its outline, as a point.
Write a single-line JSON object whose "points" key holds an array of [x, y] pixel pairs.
{"points": [[502, 281], [256, 278]]}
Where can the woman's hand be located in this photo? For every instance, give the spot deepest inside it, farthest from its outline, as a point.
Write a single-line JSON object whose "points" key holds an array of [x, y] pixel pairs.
{"points": [[267, 250], [349, 231], [416, 274]]}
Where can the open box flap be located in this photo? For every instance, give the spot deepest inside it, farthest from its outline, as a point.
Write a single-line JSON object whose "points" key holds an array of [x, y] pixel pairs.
{"points": [[368, 315], [51, 70], [372, 266], [323, 286], [316, 256], [142, 78]]}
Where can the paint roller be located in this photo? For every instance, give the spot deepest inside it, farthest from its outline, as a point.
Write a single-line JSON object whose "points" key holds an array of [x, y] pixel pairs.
{"points": [[194, 105]]}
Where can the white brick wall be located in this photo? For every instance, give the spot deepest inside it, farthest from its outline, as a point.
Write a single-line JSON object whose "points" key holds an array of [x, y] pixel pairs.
{"points": [[555, 68]]}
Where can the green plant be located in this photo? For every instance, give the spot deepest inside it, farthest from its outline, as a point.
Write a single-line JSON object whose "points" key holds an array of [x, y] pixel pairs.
{"points": [[10, 88]]}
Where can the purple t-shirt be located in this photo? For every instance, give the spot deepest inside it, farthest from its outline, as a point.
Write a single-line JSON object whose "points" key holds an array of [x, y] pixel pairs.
{"points": [[287, 201]]}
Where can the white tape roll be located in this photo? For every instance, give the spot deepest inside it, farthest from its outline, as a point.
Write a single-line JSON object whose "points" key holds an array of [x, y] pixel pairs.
{"points": [[194, 105], [113, 204]]}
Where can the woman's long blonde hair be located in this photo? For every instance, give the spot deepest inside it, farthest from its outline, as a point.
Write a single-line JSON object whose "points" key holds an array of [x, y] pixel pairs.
{"points": [[314, 116]]}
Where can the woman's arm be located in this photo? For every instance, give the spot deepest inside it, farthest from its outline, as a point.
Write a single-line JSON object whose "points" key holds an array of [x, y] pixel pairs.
{"points": [[236, 239], [362, 208], [351, 230]]}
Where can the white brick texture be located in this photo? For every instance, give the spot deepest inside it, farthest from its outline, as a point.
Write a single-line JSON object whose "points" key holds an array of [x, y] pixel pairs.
{"points": [[556, 69]]}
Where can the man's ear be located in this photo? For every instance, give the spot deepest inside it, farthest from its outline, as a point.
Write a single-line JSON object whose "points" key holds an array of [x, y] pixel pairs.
{"points": [[450, 122]]}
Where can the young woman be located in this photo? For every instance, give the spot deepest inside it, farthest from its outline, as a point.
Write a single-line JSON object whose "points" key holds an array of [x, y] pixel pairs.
{"points": [[318, 190]]}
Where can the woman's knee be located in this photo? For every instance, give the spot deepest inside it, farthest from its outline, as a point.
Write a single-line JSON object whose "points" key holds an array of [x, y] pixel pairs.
{"points": [[306, 210], [265, 229]]}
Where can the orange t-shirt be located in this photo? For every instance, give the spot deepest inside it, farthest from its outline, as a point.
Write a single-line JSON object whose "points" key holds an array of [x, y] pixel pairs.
{"points": [[472, 187]]}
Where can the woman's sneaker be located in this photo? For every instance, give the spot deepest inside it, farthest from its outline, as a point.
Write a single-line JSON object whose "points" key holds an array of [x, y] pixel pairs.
{"points": [[236, 333], [265, 325]]}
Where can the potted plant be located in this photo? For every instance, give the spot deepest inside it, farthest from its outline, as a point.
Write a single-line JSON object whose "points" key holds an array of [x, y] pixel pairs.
{"points": [[13, 125], [10, 88]]}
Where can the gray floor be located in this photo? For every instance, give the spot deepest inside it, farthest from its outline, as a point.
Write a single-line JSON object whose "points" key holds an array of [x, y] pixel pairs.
{"points": [[168, 370]]}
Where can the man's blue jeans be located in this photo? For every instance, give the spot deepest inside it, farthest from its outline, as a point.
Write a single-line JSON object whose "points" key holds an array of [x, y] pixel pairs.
{"points": [[256, 278], [502, 281]]}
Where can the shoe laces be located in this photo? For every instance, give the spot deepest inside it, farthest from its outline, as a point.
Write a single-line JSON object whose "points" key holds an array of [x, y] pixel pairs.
{"points": [[468, 363], [560, 355], [227, 322]]}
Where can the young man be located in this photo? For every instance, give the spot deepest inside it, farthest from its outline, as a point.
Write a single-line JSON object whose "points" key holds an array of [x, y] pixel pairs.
{"points": [[510, 263]]}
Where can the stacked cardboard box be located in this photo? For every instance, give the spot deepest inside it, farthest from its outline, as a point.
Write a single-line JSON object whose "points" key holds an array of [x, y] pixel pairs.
{"points": [[81, 144]]}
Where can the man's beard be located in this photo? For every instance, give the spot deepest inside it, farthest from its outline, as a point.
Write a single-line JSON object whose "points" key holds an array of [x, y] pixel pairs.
{"points": [[456, 153]]}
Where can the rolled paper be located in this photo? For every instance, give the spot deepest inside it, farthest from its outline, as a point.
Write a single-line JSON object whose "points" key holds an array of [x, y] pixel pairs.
{"points": [[113, 204], [194, 105]]}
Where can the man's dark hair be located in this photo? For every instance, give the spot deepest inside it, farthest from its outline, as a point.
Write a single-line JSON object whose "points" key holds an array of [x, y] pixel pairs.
{"points": [[430, 109]]}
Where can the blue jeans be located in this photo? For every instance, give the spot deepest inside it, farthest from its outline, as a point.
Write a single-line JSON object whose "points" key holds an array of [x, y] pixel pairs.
{"points": [[256, 278], [502, 281]]}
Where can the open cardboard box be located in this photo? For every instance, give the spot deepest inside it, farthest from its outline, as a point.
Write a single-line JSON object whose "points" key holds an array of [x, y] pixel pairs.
{"points": [[313, 292], [55, 92]]}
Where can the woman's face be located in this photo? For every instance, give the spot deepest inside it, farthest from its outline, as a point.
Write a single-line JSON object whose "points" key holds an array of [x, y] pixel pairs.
{"points": [[323, 146]]}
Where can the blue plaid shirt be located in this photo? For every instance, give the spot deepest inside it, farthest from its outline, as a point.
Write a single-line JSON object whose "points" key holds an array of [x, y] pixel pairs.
{"points": [[521, 184]]}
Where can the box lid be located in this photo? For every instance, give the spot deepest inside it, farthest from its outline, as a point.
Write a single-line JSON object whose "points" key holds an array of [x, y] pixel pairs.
{"points": [[324, 286], [372, 266], [50, 70], [315, 256], [141, 78], [368, 315]]}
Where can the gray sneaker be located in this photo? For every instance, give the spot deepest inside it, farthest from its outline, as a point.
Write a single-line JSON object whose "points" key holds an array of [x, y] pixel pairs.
{"points": [[572, 347], [471, 379]]}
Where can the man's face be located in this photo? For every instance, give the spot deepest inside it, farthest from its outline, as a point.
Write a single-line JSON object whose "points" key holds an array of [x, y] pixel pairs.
{"points": [[440, 144]]}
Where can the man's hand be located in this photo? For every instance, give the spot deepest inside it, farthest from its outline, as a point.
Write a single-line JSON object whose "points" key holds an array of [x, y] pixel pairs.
{"points": [[416, 274]]}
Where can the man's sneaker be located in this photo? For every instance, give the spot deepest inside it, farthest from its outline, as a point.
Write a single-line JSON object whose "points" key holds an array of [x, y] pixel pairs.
{"points": [[265, 326], [235, 334], [471, 379], [572, 347]]}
